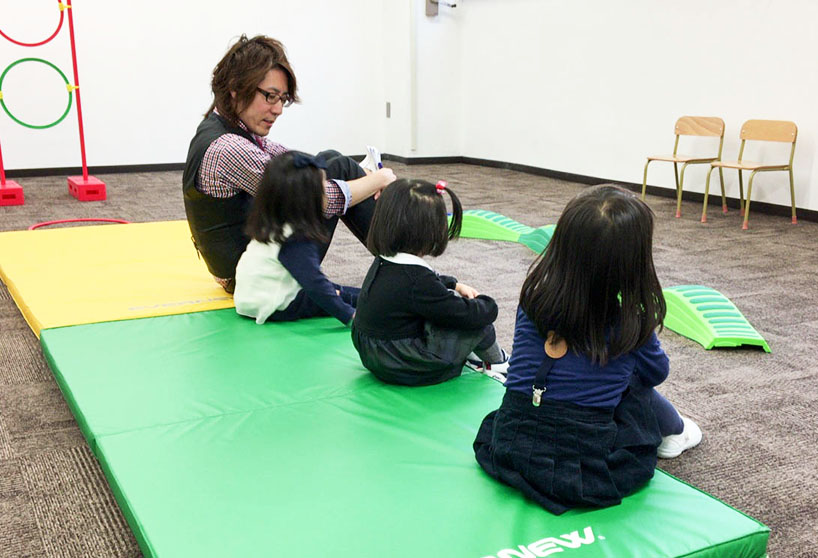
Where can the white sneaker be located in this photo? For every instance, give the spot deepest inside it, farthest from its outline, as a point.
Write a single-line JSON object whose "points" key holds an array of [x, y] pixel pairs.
{"points": [[497, 371], [372, 161], [673, 445]]}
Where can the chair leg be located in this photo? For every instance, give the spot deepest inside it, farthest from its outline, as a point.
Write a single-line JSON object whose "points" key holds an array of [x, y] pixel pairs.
{"points": [[707, 192], [747, 203], [678, 190], [740, 193], [792, 197], [645, 180], [723, 197]]}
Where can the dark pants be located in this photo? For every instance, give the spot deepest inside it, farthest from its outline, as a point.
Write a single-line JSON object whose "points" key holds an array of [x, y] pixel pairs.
{"points": [[666, 414], [489, 339], [303, 306], [358, 217]]}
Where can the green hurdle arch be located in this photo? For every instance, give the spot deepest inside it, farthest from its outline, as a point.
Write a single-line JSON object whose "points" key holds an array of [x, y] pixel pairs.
{"points": [[694, 311], [709, 318], [479, 223]]}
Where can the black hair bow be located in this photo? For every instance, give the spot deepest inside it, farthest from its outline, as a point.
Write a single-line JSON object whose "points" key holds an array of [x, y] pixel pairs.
{"points": [[302, 160]]}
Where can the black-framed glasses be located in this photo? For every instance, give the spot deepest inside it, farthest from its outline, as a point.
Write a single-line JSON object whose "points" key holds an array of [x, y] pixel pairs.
{"points": [[272, 97]]}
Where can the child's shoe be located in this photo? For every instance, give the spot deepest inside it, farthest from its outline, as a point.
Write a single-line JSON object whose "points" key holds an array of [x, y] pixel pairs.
{"points": [[673, 445], [496, 371]]}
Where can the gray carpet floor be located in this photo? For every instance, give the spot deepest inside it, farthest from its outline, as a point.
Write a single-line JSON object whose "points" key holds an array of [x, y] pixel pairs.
{"points": [[757, 411]]}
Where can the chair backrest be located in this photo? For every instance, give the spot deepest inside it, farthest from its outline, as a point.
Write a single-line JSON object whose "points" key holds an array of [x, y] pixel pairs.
{"points": [[769, 130], [700, 126]]}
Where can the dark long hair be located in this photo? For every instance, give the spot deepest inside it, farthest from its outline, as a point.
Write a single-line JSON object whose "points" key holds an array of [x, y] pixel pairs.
{"points": [[595, 285], [241, 69], [410, 217], [288, 195]]}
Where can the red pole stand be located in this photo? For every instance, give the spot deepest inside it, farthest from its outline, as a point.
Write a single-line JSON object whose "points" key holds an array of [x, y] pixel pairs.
{"points": [[84, 188], [11, 193]]}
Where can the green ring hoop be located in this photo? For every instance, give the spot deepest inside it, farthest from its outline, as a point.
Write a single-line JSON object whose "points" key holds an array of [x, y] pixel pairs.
{"points": [[26, 124]]}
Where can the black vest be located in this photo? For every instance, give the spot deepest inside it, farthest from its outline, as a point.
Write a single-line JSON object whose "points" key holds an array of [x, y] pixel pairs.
{"points": [[216, 224]]}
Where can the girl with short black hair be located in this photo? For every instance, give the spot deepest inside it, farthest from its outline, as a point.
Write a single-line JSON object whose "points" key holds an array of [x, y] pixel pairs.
{"points": [[580, 423], [413, 326], [279, 277]]}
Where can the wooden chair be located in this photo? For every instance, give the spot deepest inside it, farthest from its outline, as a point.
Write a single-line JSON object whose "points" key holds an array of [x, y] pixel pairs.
{"points": [[688, 126], [755, 130]]}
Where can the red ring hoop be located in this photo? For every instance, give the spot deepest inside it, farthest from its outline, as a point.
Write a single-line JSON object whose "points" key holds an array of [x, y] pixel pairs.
{"points": [[84, 220], [54, 34]]}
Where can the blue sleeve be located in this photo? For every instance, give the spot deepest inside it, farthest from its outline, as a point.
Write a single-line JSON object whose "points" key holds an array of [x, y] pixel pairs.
{"points": [[652, 364], [302, 259]]}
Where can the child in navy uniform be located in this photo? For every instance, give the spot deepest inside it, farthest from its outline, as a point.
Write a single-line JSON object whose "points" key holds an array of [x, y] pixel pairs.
{"points": [[413, 326], [580, 423], [279, 277]]}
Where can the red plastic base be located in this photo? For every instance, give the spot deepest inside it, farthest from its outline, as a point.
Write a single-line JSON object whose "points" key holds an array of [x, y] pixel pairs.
{"points": [[11, 193], [794, 220], [724, 209], [92, 189], [704, 218], [678, 214]]}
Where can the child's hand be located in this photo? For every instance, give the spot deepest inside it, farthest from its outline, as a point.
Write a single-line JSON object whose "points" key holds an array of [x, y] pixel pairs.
{"points": [[465, 291]]}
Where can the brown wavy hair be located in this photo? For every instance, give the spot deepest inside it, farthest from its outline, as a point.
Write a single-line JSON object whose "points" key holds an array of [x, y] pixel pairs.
{"points": [[241, 69]]}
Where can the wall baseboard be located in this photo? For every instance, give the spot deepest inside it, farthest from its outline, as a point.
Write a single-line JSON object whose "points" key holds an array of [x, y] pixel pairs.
{"points": [[715, 200], [110, 169]]}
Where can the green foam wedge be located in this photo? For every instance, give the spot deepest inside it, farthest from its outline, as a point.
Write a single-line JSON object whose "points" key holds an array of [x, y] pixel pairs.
{"points": [[709, 318]]}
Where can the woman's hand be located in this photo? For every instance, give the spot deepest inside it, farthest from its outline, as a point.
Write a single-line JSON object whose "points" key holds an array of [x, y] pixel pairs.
{"points": [[361, 188], [388, 177], [466, 291]]}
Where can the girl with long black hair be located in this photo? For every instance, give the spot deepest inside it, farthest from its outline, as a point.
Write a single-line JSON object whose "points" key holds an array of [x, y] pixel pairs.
{"points": [[581, 423]]}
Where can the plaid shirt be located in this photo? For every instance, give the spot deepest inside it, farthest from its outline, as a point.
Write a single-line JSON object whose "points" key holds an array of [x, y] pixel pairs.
{"points": [[232, 163]]}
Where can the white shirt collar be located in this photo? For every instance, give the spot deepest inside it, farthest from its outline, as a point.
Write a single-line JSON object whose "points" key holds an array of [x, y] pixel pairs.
{"points": [[407, 259]]}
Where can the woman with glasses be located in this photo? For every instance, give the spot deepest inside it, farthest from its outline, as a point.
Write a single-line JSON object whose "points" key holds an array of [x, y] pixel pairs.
{"points": [[252, 84]]}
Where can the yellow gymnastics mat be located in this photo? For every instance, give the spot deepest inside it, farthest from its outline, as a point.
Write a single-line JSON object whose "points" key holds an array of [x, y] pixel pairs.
{"points": [[81, 275]]}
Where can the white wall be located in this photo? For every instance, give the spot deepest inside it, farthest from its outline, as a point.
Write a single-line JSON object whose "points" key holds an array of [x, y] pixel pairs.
{"points": [[144, 71], [587, 87], [593, 87]]}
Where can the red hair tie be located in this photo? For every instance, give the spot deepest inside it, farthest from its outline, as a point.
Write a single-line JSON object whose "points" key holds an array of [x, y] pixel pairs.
{"points": [[441, 186]]}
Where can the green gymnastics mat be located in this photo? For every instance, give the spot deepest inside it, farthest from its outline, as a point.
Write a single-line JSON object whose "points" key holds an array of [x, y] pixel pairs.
{"points": [[220, 438], [120, 376]]}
